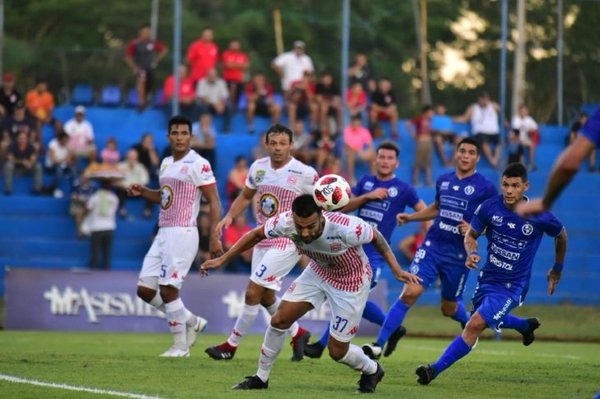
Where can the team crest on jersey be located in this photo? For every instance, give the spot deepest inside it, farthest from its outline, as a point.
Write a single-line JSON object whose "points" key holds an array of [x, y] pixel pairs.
{"points": [[292, 179], [392, 192], [444, 185], [184, 170], [414, 269], [163, 168], [268, 205], [166, 197], [260, 175], [527, 229], [469, 190]]}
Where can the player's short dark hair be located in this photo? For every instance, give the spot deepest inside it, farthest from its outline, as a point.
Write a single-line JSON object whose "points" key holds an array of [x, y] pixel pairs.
{"points": [[279, 128], [426, 108], [305, 206], [388, 145], [515, 169], [180, 120], [471, 141]]}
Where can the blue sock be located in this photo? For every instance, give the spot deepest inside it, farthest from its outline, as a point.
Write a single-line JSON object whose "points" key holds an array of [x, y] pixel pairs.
{"points": [[515, 322], [325, 337], [373, 313], [393, 320], [461, 314], [454, 352]]}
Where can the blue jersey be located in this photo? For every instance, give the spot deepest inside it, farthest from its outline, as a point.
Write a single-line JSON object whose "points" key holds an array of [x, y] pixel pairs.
{"points": [[512, 241], [457, 200], [382, 213], [591, 129]]}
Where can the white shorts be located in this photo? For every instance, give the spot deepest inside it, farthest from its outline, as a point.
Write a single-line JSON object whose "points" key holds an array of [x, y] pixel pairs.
{"points": [[346, 307], [171, 255], [271, 265]]}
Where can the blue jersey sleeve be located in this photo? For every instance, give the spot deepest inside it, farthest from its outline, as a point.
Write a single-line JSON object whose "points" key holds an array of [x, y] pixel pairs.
{"points": [[550, 224], [481, 217], [591, 129], [412, 198], [437, 190], [358, 189]]}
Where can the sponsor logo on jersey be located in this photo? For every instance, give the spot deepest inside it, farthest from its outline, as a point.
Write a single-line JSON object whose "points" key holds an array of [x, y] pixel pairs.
{"points": [[469, 190], [358, 231], [163, 168], [370, 214], [392, 192], [505, 253], [444, 185], [205, 168], [298, 172], [527, 229], [335, 246], [497, 220], [454, 202], [260, 175], [503, 311], [498, 263], [368, 186], [511, 225], [457, 216], [166, 196], [507, 241], [268, 204], [455, 188], [449, 228], [414, 269]]}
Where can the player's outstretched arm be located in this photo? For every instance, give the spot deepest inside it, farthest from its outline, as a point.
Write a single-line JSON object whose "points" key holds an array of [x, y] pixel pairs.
{"points": [[426, 213], [471, 247], [384, 249], [248, 240], [560, 250], [211, 194], [239, 204], [137, 190], [356, 202]]}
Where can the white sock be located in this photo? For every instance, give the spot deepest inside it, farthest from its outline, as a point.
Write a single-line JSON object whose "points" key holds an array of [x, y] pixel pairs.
{"points": [[175, 312], [356, 359], [158, 302], [243, 324], [269, 351], [190, 318], [293, 330]]}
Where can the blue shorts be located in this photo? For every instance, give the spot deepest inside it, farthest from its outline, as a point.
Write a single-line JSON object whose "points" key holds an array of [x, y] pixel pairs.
{"points": [[453, 275], [493, 301], [377, 264]]}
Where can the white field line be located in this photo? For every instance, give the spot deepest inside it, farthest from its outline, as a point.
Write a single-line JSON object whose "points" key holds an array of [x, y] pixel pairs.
{"points": [[504, 353], [19, 380]]}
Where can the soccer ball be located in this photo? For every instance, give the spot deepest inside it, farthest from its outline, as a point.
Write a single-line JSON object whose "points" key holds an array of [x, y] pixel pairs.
{"points": [[332, 192]]}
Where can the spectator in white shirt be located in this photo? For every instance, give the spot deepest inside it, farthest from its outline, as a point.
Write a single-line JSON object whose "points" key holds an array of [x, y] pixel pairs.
{"points": [[59, 159], [212, 94], [81, 135], [134, 172], [528, 132], [290, 66], [101, 221]]}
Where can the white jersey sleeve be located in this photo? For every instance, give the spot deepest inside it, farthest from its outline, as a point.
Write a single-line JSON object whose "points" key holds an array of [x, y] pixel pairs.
{"points": [[201, 173], [358, 232], [280, 225]]}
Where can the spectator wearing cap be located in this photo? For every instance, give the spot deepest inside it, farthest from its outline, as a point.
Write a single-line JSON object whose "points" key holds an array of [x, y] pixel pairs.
{"points": [[9, 96], [81, 135], [19, 122], [143, 55], [290, 66], [40, 103]]}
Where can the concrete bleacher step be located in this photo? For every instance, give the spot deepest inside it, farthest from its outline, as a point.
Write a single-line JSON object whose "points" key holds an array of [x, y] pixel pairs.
{"points": [[33, 206], [68, 248]]}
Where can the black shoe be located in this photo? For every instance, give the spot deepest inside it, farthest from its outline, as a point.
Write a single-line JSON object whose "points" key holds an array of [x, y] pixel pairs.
{"points": [[426, 374], [298, 346], [368, 382], [314, 351], [372, 350], [393, 341], [252, 382], [528, 336], [220, 352]]}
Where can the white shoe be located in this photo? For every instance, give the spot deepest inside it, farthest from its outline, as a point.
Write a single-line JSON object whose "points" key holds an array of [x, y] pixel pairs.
{"points": [[175, 352], [372, 351], [195, 329]]}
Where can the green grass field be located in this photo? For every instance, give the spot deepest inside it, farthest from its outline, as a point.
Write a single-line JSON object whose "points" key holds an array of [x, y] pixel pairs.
{"points": [[129, 363]]}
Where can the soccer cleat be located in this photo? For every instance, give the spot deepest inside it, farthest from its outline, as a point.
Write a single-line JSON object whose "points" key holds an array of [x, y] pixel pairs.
{"points": [[175, 352], [299, 343], [195, 329], [426, 374], [368, 382], [393, 340], [372, 350], [252, 382], [221, 352], [314, 351], [528, 336]]}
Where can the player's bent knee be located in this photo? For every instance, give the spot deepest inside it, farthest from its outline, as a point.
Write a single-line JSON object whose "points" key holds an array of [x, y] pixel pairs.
{"points": [[280, 321], [145, 293], [337, 350], [448, 308]]}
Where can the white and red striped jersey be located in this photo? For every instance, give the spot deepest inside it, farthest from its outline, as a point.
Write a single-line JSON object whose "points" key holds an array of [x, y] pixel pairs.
{"points": [[179, 189], [276, 190], [337, 256]]}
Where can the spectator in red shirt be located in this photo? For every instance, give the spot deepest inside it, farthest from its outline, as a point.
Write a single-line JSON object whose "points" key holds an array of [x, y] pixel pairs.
{"points": [[410, 244], [202, 55], [187, 92], [260, 101], [420, 130], [235, 63], [356, 99], [143, 55], [232, 234]]}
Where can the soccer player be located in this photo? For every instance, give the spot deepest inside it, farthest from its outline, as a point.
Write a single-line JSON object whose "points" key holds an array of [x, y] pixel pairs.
{"points": [[184, 178], [338, 271], [442, 253], [504, 279], [566, 167], [378, 198], [276, 180]]}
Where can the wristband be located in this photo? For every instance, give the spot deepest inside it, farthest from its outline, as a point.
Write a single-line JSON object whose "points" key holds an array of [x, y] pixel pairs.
{"points": [[473, 253], [557, 268]]}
